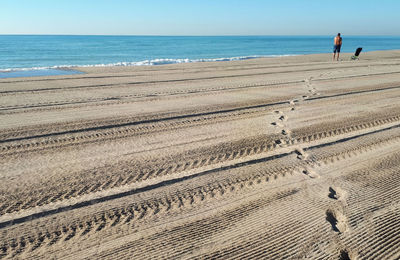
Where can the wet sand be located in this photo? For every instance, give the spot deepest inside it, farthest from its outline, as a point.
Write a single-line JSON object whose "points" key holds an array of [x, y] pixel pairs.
{"points": [[292, 157]]}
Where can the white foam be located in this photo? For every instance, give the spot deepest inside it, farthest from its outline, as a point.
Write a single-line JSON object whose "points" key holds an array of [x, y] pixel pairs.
{"points": [[144, 63]]}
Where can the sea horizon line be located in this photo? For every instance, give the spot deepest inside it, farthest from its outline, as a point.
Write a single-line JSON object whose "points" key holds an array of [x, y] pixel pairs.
{"points": [[227, 35]]}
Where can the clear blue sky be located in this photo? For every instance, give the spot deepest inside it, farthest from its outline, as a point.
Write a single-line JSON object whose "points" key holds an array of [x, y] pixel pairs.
{"points": [[200, 17]]}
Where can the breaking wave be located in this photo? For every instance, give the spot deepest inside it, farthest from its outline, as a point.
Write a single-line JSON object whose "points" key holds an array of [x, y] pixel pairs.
{"points": [[143, 63]]}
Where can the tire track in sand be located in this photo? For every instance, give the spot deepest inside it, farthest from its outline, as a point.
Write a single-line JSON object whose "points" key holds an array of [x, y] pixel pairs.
{"points": [[135, 212]]}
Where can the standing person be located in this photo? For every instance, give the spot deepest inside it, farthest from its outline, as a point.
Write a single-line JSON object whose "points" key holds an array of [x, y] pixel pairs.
{"points": [[337, 45]]}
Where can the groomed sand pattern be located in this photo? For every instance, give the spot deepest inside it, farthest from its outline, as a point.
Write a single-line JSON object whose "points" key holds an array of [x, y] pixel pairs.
{"points": [[279, 158]]}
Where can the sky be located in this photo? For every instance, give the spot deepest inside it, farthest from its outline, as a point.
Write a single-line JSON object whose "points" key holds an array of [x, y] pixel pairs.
{"points": [[200, 17]]}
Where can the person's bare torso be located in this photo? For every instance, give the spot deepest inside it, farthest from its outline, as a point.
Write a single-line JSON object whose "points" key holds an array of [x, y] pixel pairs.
{"points": [[338, 40]]}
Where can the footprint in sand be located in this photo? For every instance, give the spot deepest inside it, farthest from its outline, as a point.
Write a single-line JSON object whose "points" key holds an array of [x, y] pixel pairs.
{"points": [[338, 220], [346, 254], [283, 118], [310, 173], [301, 154], [336, 193], [333, 194], [277, 124]]}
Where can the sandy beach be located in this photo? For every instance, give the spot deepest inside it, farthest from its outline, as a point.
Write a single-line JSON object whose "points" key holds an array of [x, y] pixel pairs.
{"points": [[276, 158]]}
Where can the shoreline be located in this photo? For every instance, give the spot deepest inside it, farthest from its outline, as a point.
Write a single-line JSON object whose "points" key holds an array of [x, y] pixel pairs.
{"points": [[174, 62]]}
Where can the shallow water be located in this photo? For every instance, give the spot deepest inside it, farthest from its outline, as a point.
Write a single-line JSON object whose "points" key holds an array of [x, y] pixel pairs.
{"points": [[37, 73]]}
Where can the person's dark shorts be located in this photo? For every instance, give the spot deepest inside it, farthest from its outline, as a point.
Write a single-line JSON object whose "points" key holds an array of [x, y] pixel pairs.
{"points": [[336, 48]]}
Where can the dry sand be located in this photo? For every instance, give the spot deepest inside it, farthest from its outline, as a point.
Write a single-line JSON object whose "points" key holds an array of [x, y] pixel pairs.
{"points": [[295, 157]]}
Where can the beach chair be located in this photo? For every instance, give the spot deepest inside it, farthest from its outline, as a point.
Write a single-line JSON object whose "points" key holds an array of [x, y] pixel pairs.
{"points": [[356, 54]]}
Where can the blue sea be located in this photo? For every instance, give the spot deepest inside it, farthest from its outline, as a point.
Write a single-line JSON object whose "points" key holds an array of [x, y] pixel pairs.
{"points": [[37, 55]]}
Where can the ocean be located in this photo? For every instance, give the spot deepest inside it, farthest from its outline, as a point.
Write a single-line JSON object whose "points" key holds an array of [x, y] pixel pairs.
{"points": [[38, 55]]}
